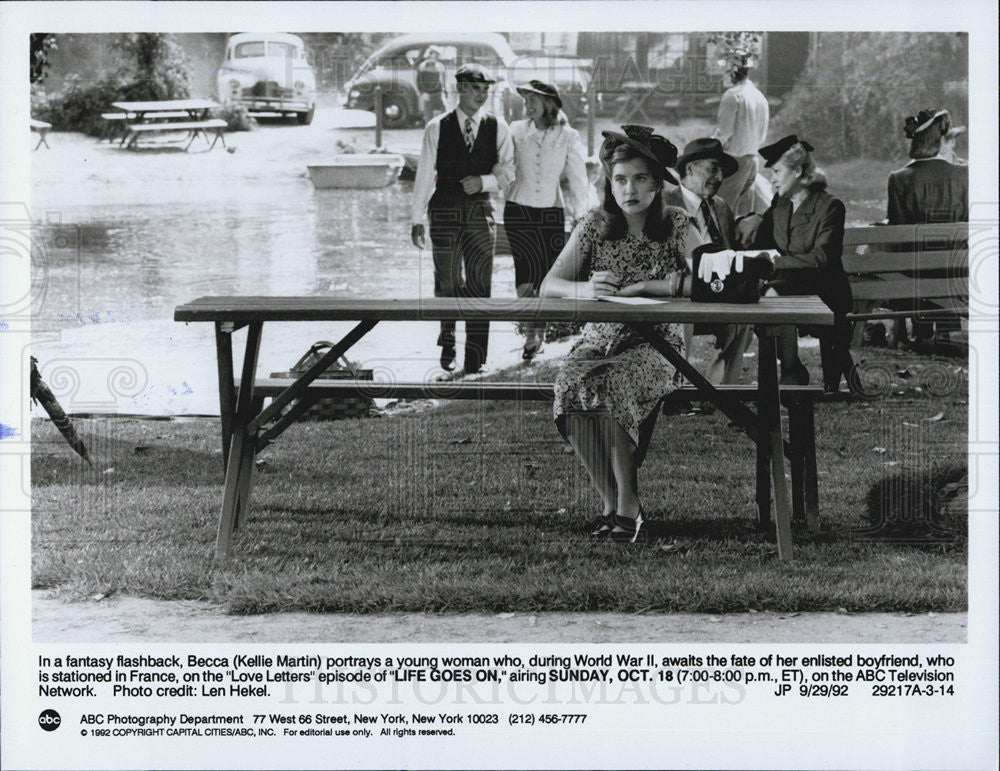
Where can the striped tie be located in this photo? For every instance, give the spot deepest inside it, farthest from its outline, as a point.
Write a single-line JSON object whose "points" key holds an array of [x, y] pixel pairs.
{"points": [[470, 138]]}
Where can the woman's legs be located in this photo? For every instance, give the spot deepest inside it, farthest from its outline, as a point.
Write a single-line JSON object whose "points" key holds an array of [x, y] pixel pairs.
{"points": [[536, 236], [589, 436], [625, 472]]}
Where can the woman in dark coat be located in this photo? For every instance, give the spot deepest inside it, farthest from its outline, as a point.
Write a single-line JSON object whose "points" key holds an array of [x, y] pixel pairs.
{"points": [[806, 225], [927, 189]]}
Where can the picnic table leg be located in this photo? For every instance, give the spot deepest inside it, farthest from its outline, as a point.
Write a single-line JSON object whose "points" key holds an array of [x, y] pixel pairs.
{"points": [[218, 136], [246, 471], [227, 394], [240, 465], [796, 458], [810, 486], [769, 411]]}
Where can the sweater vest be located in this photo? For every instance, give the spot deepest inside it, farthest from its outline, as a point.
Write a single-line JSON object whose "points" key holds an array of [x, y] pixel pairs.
{"points": [[454, 161]]}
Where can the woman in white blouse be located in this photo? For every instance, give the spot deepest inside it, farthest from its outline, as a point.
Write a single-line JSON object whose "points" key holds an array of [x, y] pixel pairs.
{"points": [[546, 149]]}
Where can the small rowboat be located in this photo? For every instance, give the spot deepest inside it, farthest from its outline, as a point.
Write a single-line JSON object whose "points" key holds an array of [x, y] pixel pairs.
{"points": [[357, 171]]}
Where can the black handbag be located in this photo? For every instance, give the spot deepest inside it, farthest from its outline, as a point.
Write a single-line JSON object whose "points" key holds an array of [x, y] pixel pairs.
{"points": [[333, 407], [736, 287]]}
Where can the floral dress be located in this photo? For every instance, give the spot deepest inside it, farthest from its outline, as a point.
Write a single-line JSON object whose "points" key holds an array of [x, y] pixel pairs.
{"points": [[610, 367]]}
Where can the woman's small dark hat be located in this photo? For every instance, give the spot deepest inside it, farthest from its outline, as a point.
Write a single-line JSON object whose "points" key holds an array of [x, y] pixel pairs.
{"points": [[773, 152]]}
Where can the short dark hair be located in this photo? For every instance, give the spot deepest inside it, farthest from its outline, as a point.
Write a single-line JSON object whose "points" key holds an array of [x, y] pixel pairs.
{"points": [[612, 226]]}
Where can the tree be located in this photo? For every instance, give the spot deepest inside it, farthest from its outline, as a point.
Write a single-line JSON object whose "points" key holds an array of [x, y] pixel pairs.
{"points": [[41, 44], [858, 88], [154, 64]]}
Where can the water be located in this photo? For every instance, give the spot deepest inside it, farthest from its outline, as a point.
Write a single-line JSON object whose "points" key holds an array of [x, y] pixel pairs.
{"points": [[111, 273]]}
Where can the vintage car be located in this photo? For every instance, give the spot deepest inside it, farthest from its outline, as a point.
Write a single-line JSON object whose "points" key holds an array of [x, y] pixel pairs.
{"points": [[393, 68], [268, 72]]}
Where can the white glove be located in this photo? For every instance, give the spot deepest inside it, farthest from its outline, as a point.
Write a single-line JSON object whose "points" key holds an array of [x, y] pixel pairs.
{"points": [[719, 263]]}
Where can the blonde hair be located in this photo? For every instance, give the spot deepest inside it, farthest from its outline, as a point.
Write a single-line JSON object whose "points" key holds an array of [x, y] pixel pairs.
{"points": [[811, 177]]}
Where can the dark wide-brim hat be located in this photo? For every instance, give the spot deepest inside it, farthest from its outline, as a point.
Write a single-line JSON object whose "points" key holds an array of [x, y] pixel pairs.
{"points": [[542, 89], [773, 152], [923, 120], [657, 150], [473, 73], [707, 148]]}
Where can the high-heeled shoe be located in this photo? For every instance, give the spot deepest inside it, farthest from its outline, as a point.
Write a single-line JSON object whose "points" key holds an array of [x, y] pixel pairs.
{"points": [[531, 347], [601, 527], [628, 530]]}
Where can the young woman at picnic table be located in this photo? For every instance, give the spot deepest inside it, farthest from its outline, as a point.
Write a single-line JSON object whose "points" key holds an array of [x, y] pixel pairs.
{"points": [[610, 386]]}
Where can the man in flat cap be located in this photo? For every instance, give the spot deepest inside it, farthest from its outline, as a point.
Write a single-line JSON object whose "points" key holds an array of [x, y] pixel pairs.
{"points": [[467, 154], [702, 167]]}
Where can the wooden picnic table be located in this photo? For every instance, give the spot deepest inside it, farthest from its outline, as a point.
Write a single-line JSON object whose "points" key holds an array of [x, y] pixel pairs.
{"points": [[197, 109], [148, 118], [247, 426]]}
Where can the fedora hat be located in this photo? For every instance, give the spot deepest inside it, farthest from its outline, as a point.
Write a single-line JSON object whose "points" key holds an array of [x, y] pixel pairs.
{"points": [[773, 152], [542, 89], [707, 148], [657, 150], [922, 121]]}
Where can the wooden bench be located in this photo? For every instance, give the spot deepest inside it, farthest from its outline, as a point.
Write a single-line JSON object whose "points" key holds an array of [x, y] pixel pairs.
{"points": [[42, 129], [799, 449], [924, 266], [117, 122], [192, 127]]}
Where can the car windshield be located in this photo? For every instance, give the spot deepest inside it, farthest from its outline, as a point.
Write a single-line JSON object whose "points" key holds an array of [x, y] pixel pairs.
{"points": [[257, 48]]}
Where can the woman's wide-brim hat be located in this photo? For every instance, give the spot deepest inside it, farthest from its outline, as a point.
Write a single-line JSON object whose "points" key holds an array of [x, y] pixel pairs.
{"points": [[542, 89], [923, 120], [772, 153], [658, 151], [707, 148]]}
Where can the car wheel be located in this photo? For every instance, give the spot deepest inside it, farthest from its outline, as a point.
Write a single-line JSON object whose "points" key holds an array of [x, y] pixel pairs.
{"points": [[305, 118], [396, 112]]}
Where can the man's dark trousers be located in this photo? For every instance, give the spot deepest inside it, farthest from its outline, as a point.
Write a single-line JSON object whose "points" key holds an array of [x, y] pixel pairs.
{"points": [[461, 231]]}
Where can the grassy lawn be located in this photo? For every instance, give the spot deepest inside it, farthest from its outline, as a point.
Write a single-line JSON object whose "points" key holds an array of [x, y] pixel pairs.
{"points": [[469, 507]]}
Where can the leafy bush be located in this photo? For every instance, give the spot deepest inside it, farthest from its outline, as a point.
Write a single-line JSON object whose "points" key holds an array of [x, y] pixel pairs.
{"points": [[78, 106], [923, 506], [859, 87], [153, 67], [236, 117]]}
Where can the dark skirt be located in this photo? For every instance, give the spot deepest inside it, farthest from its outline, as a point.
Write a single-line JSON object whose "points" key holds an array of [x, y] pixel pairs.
{"points": [[536, 237]]}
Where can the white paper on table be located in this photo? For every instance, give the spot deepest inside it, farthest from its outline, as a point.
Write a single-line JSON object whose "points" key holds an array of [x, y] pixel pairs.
{"points": [[634, 300]]}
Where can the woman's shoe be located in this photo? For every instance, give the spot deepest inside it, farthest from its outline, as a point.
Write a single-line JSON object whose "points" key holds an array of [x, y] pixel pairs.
{"points": [[601, 527], [531, 347], [794, 375], [628, 530]]}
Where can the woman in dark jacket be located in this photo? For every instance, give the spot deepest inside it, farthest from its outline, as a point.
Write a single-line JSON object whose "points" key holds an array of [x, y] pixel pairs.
{"points": [[805, 224]]}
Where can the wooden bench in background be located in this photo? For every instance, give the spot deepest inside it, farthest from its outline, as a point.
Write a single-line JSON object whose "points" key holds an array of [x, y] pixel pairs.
{"points": [[42, 129], [192, 127], [925, 266], [116, 123]]}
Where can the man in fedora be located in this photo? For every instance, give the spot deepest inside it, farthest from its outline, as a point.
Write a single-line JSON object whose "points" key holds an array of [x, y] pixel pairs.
{"points": [[702, 167], [466, 155]]}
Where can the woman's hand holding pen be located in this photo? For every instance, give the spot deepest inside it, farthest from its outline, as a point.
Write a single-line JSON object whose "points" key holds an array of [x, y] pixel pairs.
{"points": [[603, 282]]}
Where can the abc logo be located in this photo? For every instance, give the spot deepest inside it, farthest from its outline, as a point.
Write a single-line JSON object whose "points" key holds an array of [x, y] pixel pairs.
{"points": [[49, 720]]}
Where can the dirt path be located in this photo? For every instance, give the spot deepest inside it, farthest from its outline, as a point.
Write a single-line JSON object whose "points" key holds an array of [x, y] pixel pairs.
{"points": [[128, 619]]}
